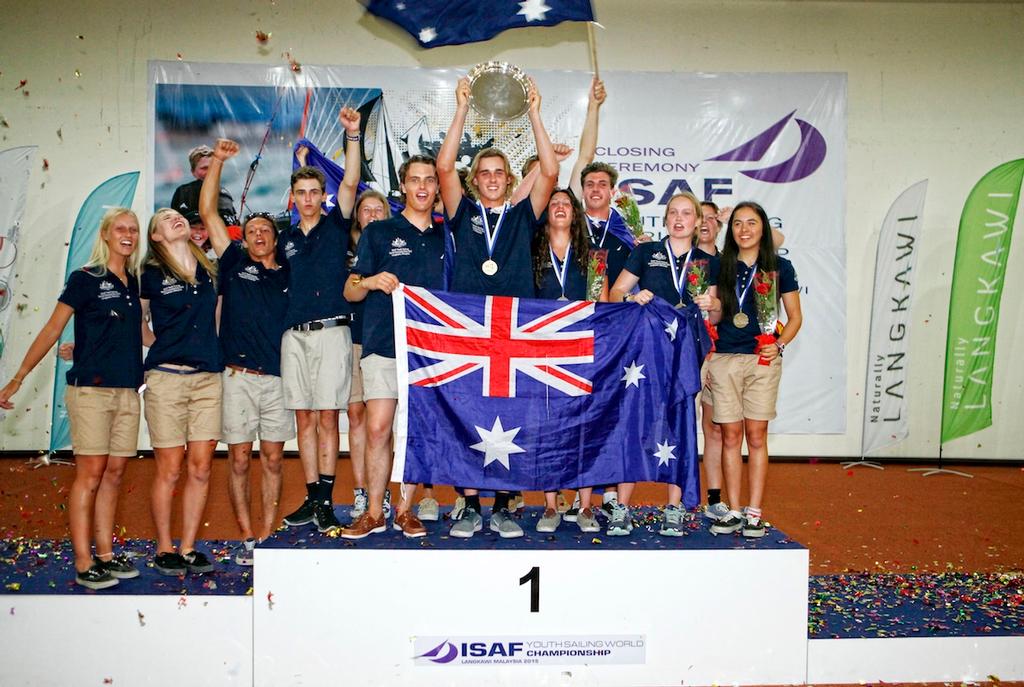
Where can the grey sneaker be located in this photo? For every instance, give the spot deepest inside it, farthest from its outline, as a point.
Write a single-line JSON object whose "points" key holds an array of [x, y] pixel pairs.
{"points": [[549, 520], [672, 525], [729, 524], [428, 510], [574, 509], [359, 504], [243, 553], [387, 504], [504, 525], [716, 511], [620, 524], [753, 528], [466, 526], [458, 509], [587, 522]]}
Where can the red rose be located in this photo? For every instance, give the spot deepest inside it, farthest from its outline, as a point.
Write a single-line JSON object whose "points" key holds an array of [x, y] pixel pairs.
{"points": [[600, 269], [763, 288], [693, 278]]}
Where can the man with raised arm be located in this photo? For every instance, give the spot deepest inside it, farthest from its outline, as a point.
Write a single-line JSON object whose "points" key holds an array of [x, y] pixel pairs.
{"points": [[492, 243], [316, 349], [254, 299], [408, 249]]}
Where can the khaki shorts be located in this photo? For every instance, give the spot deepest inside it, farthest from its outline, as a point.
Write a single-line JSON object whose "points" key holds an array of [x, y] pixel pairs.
{"points": [[355, 394], [254, 406], [742, 388], [380, 377], [706, 397], [182, 408], [316, 368], [104, 420]]}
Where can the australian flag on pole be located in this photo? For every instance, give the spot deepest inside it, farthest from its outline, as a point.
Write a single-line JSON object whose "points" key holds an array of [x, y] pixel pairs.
{"points": [[453, 22], [508, 393]]}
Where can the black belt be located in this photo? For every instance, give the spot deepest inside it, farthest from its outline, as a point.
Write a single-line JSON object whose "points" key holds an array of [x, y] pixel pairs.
{"points": [[316, 325]]}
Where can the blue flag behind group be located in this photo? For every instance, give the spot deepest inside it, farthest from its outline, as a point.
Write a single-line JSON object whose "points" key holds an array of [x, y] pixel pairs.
{"points": [[507, 393], [453, 22]]}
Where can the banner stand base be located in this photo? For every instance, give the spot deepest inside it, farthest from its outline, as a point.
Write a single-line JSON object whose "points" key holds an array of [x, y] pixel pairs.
{"points": [[928, 472], [46, 460], [861, 463]]}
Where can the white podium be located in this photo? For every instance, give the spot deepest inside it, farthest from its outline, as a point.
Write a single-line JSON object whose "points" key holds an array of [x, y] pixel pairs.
{"points": [[649, 612]]}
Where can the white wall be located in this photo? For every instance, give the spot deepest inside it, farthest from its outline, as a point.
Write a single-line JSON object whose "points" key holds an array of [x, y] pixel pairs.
{"points": [[934, 92]]}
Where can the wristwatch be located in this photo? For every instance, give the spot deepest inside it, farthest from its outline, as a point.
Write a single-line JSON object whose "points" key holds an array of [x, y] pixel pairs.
{"points": [[782, 347]]}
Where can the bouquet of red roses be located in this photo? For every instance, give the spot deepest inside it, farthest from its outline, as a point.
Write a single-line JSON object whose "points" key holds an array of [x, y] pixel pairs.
{"points": [[766, 299], [697, 285], [630, 212], [597, 267]]}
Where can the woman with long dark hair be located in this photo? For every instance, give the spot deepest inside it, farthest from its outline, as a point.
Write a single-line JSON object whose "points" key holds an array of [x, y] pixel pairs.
{"points": [[183, 383], [747, 363], [102, 394], [561, 255]]}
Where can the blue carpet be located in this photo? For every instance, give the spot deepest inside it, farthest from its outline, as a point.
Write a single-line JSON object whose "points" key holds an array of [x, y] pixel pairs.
{"points": [[852, 605]]}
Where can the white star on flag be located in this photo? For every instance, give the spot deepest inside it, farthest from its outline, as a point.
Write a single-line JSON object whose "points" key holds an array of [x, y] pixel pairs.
{"points": [[671, 329], [533, 10], [329, 201], [428, 34], [664, 453], [633, 375], [496, 444]]}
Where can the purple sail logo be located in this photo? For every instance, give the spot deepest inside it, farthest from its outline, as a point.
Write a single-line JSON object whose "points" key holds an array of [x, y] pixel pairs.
{"points": [[804, 162], [441, 654]]}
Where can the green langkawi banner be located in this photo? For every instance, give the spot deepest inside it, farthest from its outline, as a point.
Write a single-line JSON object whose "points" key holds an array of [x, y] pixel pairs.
{"points": [[982, 248]]}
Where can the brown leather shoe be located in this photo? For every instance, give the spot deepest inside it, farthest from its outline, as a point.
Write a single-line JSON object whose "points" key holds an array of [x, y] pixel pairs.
{"points": [[409, 525], [364, 526]]}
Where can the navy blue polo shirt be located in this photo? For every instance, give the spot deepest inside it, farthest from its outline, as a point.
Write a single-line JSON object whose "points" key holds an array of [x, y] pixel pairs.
{"points": [[511, 250], [575, 280], [184, 320], [108, 329], [415, 257], [733, 340], [650, 263], [253, 311], [318, 268], [618, 252]]}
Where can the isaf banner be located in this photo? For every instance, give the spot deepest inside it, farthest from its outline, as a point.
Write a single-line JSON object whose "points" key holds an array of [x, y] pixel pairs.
{"points": [[536, 395], [779, 139]]}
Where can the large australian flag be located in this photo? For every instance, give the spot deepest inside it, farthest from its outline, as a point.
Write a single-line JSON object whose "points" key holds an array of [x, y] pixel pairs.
{"points": [[508, 393], [452, 22]]}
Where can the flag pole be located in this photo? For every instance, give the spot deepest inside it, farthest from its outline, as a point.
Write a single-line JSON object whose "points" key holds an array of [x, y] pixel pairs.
{"points": [[593, 49]]}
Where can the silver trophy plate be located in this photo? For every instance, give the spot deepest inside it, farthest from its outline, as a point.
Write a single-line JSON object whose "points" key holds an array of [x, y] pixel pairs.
{"points": [[498, 91]]}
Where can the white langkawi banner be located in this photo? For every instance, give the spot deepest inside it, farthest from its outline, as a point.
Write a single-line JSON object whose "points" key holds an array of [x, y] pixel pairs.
{"points": [[777, 139], [885, 391]]}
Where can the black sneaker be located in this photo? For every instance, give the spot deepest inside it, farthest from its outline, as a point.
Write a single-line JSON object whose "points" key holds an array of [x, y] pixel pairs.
{"points": [[119, 566], [732, 522], [95, 577], [170, 564], [197, 562], [324, 518], [302, 516]]}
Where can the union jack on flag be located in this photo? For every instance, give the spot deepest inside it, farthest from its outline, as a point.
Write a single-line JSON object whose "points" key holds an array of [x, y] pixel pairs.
{"points": [[501, 344], [518, 393]]}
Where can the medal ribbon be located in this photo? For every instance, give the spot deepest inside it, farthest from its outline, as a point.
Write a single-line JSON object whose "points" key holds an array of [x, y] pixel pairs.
{"points": [[491, 237], [590, 225], [741, 296], [680, 280], [560, 275]]}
